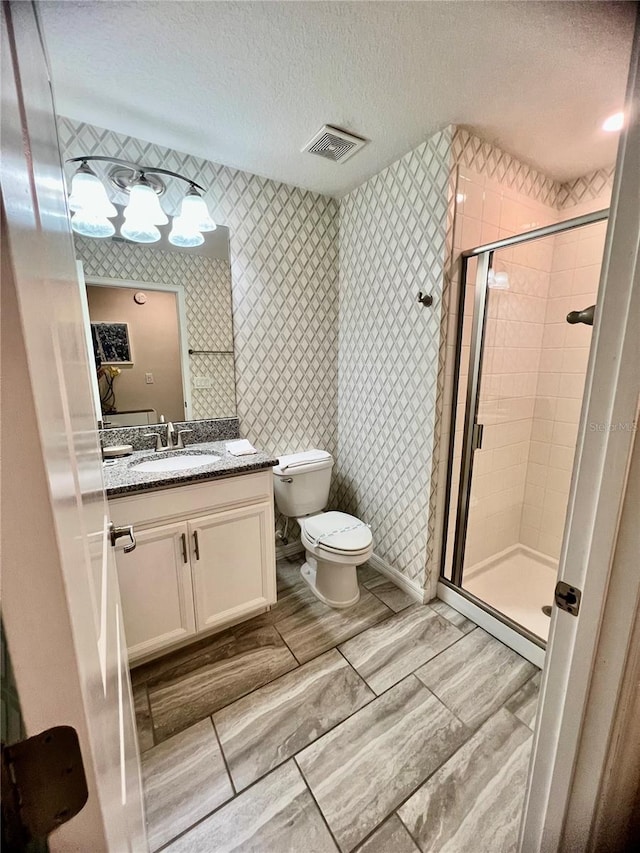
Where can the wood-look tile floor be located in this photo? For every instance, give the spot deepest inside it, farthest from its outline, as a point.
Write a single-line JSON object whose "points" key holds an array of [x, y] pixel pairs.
{"points": [[390, 727]]}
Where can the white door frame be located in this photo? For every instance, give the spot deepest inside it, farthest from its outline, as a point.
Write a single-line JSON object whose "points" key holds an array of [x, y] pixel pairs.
{"points": [[60, 597], [178, 289], [563, 790]]}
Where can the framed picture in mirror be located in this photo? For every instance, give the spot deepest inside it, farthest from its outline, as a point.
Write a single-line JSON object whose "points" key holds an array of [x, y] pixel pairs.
{"points": [[111, 343]]}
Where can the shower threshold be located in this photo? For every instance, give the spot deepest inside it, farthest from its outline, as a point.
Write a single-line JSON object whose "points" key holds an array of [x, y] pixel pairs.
{"points": [[517, 582]]}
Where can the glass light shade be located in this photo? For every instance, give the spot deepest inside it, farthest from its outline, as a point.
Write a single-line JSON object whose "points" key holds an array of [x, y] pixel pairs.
{"points": [[144, 206], [195, 211], [85, 223], [614, 123], [88, 193], [140, 231], [184, 234]]}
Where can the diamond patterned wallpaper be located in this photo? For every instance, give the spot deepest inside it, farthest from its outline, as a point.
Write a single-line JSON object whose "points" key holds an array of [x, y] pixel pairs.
{"points": [[393, 243], [284, 266], [481, 156], [586, 188]]}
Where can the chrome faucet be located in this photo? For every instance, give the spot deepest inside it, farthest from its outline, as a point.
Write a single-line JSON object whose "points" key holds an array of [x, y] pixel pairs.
{"points": [[174, 438]]}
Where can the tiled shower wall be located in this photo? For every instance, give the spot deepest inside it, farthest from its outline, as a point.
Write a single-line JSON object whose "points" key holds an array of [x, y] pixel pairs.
{"points": [[284, 266], [393, 243], [576, 264]]}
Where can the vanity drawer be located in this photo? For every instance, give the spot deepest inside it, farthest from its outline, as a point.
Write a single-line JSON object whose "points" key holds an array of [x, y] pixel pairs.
{"points": [[147, 508]]}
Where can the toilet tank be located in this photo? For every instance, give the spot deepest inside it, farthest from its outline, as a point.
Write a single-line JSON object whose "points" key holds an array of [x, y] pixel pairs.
{"points": [[302, 481]]}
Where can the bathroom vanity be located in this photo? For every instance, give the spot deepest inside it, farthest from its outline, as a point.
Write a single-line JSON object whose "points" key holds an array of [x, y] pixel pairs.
{"points": [[205, 550]]}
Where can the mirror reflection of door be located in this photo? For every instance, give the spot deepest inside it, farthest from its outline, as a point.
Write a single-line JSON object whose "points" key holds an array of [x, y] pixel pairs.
{"points": [[147, 386]]}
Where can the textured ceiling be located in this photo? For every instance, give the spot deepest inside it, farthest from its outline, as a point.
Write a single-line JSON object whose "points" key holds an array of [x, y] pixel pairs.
{"points": [[247, 84]]}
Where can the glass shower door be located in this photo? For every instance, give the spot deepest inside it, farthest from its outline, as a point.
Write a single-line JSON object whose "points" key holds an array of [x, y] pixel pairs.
{"points": [[524, 387]]}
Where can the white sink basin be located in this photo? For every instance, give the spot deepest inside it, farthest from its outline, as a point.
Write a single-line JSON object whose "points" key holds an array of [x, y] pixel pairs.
{"points": [[176, 463]]}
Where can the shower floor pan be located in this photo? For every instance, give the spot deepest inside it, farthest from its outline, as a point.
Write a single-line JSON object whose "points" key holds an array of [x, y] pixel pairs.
{"points": [[518, 582]]}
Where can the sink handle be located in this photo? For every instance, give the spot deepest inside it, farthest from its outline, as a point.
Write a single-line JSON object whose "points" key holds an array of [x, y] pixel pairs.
{"points": [[158, 438], [179, 445]]}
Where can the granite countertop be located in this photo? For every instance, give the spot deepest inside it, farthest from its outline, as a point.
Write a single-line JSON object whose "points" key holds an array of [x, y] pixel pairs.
{"points": [[120, 478]]}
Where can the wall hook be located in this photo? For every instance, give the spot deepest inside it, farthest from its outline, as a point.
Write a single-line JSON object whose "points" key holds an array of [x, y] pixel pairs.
{"points": [[425, 299]]}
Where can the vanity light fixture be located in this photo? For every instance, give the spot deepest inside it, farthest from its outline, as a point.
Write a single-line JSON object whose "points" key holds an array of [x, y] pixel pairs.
{"points": [[90, 205], [92, 209]]}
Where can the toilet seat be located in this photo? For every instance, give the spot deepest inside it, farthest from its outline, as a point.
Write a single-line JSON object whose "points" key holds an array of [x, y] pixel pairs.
{"points": [[337, 533]]}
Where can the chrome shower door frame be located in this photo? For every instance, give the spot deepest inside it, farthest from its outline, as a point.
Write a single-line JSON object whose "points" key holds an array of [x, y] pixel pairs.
{"points": [[472, 429]]}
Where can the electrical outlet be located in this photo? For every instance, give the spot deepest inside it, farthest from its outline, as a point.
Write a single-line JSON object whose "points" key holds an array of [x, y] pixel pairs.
{"points": [[148, 378], [202, 382]]}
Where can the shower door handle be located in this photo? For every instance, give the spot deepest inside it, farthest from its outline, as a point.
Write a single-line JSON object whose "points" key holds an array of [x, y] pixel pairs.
{"points": [[476, 441], [585, 316]]}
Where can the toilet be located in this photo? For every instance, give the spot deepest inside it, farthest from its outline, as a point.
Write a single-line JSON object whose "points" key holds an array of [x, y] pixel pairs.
{"points": [[335, 543]]}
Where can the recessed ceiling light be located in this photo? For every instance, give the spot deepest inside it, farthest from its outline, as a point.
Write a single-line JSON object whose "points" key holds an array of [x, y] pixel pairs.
{"points": [[614, 122]]}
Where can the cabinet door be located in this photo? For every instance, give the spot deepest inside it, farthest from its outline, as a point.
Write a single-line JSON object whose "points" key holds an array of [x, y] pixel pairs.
{"points": [[155, 589], [233, 561]]}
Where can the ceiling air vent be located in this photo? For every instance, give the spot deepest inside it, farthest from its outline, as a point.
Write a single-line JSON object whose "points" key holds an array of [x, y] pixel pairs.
{"points": [[334, 144]]}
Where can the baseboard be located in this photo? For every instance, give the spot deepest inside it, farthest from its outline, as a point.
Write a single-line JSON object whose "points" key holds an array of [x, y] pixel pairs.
{"points": [[400, 580], [291, 549]]}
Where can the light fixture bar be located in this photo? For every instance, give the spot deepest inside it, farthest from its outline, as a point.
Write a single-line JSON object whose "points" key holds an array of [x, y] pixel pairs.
{"points": [[143, 212], [137, 167]]}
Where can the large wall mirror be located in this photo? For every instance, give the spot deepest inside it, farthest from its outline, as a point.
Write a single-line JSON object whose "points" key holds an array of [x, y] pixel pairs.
{"points": [[159, 328]]}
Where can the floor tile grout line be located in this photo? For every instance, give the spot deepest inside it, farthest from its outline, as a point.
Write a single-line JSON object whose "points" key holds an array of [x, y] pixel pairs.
{"points": [[220, 807], [317, 804], [224, 759], [396, 813], [148, 704], [295, 657], [274, 625], [203, 647], [299, 663], [373, 592], [455, 714], [413, 671], [330, 729], [240, 696], [346, 639], [472, 734], [371, 700], [465, 618]]}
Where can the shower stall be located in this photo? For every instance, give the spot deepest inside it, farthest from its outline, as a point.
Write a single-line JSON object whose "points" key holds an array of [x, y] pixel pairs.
{"points": [[525, 318]]}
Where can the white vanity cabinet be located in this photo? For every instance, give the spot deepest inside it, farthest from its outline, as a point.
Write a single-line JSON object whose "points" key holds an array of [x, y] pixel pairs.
{"points": [[205, 557], [156, 589]]}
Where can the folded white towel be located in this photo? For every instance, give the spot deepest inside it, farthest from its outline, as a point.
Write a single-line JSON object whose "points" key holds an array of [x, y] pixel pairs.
{"points": [[242, 447]]}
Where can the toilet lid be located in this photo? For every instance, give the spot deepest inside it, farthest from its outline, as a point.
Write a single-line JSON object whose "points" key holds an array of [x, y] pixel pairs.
{"points": [[307, 460], [338, 531]]}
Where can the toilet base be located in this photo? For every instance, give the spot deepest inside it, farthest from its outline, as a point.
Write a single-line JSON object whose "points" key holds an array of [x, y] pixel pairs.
{"points": [[335, 584]]}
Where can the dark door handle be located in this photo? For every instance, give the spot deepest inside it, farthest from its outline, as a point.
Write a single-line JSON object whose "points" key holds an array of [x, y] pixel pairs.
{"points": [[183, 539], [196, 544]]}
